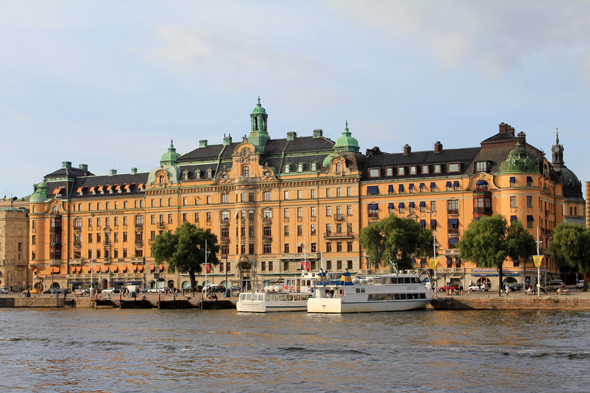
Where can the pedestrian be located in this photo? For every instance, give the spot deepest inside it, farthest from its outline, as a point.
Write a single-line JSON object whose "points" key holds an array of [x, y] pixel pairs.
{"points": [[507, 290]]}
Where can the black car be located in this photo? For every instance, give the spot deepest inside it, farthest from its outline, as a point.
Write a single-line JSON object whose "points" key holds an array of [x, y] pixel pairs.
{"points": [[515, 287]]}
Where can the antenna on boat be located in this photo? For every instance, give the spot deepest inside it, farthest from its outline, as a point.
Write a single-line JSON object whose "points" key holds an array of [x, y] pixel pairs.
{"points": [[393, 264]]}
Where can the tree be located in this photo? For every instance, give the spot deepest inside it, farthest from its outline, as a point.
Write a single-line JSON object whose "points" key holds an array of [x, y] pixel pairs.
{"points": [[185, 249], [571, 247], [489, 240], [395, 237]]}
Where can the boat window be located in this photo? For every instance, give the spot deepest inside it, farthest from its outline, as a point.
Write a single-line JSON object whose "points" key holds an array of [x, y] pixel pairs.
{"points": [[362, 290], [385, 280], [422, 296], [408, 280], [369, 297], [296, 298], [289, 297], [393, 280], [261, 297], [415, 280], [242, 296], [396, 296], [402, 296], [248, 296], [358, 290], [389, 296]]}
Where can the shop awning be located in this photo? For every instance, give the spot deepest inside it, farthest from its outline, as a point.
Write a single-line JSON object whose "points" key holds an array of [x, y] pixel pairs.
{"points": [[423, 223], [458, 261], [91, 189], [411, 186], [161, 267], [373, 206], [117, 188], [56, 191], [400, 205], [115, 269], [109, 188], [99, 189], [411, 204], [481, 183], [433, 185], [448, 184], [80, 189], [422, 204], [126, 187], [97, 269], [453, 221], [390, 189], [401, 188], [152, 267], [449, 261], [140, 186], [456, 183], [105, 269], [453, 240], [55, 269], [530, 218], [75, 282], [422, 186], [529, 179], [134, 282], [512, 218], [433, 222], [390, 206], [512, 179], [372, 190], [117, 282], [124, 268]]}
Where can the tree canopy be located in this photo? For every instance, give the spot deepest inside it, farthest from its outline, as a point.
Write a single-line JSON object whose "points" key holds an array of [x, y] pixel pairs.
{"points": [[184, 250], [489, 240], [395, 237], [571, 247]]}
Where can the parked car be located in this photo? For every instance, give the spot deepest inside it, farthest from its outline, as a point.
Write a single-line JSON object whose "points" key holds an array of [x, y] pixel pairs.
{"points": [[580, 284], [111, 290], [450, 287], [515, 287], [554, 285], [478, 288], [3, 291]]}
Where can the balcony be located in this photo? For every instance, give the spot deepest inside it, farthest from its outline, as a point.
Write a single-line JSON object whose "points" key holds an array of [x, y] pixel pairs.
{"points": [[107, 261], [451, 251], [138, 224], [78, 228], [375, 215], [340, 217], [76, 262], [453, 211], [342, 235], [139, 242], [54, 262], [481, 210], [267, 220], [225, 222], [161, 225], [451, 231], [137, 260], [224, 239], [267, 238], [77, 244]]}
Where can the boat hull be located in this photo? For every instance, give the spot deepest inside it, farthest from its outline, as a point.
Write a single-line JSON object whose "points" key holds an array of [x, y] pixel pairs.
{"points": [[263, 307], [340, 306]]}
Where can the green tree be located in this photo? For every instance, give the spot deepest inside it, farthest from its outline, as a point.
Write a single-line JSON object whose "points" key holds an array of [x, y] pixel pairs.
{"points": [[395, 237], [185, 249], [571, 247], [489, 240]]}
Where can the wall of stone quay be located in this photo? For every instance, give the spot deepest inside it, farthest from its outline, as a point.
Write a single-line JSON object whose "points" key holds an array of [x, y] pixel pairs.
{"points": [[38, 302], [491, 302]]}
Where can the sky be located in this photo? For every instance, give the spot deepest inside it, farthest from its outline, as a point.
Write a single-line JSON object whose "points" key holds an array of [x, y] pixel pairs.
{"points": [[110, 83]]}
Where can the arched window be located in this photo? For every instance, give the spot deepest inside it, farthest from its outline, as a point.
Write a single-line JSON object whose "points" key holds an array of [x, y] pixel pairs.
{"points": [[161, 179], [246, 171], [56, 209], [338, 167]]}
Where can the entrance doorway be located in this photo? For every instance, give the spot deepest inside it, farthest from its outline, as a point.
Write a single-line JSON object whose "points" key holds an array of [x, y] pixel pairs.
{"points": [[484, 281], [170, 284]]}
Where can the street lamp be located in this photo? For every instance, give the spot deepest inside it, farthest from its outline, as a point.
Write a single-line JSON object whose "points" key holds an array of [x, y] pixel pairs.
{"points": [[433, 264]]}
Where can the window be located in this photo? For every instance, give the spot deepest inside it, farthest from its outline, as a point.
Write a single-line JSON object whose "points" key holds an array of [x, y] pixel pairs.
{"points": [[338, 246], [437, 168], [287, 168], [116, 221], [124, 237], [389, 171], [313, 229], [374, 172], [328, 211], [286, 248], [98, 206], [349, 249], [349, 265], [328, 192], [512, 201], [433, 206], [152, 203], [184, 217], [348, 191], [349, 210], [339, 192], [454, 167], [400, 171], [246, 171], [299, 230], [286, 213], [107, 221], [338, 265], [312, 192], [328, 247], [107, 205], [328, 229], [286, 230], [196, 217], [208, 199], [98, 224], [208, 216], [413, 170], [425, 169], [329, 265], [267, 195], [313, 166], [453, 207], [300, 167], [481, 166], [300, 212], [286, 195], [224, 198], [529, 201], [313, 211], [299, 194]]}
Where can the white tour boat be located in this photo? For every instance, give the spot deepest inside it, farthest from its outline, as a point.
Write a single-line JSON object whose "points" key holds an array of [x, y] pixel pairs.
{"points": [[291, 296], [388, 292]]}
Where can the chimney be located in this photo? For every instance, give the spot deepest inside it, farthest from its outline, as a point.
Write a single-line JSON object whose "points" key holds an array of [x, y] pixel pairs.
{"points": [[291, 135], [84, 167], [318, 133], [407, 150], [503, 128], [66, 164], [438, 147], [522, 136], [227, 140], [112, 172], [134, 171], [202, 143], [511, 130]]}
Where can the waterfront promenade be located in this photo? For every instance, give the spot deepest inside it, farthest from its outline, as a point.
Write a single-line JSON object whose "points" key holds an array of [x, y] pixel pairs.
{"points": [[575, 301]]}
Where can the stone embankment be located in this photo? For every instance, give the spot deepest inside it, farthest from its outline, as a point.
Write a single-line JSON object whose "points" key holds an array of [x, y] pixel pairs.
{"points": [[577, 301]]}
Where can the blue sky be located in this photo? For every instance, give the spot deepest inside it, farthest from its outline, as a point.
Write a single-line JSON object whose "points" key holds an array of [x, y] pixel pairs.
{"points": [[109, 83]]}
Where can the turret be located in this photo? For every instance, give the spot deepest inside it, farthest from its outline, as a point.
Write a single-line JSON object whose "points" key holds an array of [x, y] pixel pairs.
{"points": [[258, 129]]}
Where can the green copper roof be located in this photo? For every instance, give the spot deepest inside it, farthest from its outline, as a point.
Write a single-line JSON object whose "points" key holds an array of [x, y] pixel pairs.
{"points": [[170, 157], [346, 142], [518, 161], [259, 108], [40, 194]]}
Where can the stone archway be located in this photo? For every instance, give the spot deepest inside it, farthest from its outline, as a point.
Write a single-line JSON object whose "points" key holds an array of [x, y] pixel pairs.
{"points": [[245, 271]]}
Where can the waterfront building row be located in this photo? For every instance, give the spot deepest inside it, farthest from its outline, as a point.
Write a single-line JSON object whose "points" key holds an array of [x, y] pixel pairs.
{"points": [[270, 201]]}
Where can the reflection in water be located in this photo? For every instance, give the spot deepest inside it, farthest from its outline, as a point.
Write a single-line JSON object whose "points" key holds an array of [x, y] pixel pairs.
{"points": [[164, 350]]}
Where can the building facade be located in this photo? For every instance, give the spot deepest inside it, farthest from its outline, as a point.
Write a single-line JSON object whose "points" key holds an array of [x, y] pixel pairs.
{"points": [[276, 203], [15, 274]]}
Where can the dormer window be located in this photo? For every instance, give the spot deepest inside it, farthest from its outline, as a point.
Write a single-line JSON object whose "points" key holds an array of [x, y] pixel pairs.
{"points": [[374, 172], [198, 173], [413, 170], [389, 171], [454, 167], [425, 169], [313, 166], [338, 167], [287, 168], [300, 167], [209, 173], [400, 171], [246, 171], [161, 179], [437, 168], [185, 175], [481, 166]]}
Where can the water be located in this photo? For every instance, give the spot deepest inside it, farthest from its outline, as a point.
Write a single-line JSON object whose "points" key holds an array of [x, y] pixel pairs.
{"points": [[223, 351]]}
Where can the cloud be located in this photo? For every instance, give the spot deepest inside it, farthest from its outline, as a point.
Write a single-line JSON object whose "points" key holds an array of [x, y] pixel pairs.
{"points": [[490, 36], [234, 63]]}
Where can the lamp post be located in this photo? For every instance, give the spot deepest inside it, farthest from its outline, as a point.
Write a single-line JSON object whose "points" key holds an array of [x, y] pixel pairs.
{"points": [[433, 264]]}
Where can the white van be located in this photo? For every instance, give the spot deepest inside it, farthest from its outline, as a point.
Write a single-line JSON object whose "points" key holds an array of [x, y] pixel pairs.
{"points": [[133, 288]]}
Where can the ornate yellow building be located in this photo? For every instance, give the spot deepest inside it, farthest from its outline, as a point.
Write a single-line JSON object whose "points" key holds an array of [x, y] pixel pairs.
{"points": [[274, 203]]}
